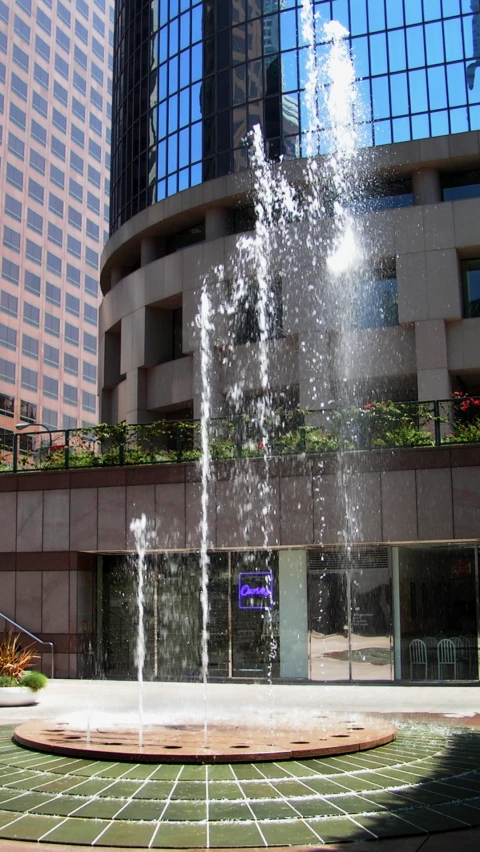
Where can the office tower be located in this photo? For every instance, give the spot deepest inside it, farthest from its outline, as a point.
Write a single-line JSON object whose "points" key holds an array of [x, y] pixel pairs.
{"points": [[55, 67]]}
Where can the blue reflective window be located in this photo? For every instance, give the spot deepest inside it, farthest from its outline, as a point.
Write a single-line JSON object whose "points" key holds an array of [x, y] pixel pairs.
{"points": [[378, 53], [420, 126], [452, 30], [458, 120], [340, 12], [432, 10], [456, 84], [361, 59], [290, 71], [394, 14], [381, 97], [401, 129], [434, 43], [450, 8], [413, 11], [376, 16], [439, 122], [358, 17], [437, 89], [185, 30], [399, 94], [288, 30], [415, 47], [397, 51], [197, 62], [418, 91], [173, 75], [184, 68], [184, 148]]}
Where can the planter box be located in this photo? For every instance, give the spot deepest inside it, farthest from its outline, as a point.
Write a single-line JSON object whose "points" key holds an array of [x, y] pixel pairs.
{"points": [[16, 696]]}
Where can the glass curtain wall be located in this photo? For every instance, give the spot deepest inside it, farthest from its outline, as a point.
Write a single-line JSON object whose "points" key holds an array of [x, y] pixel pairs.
{"points": [[193, 76]]}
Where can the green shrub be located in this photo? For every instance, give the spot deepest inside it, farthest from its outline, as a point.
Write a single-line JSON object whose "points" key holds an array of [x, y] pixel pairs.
{"points": [[34, 681], [6, 680]]}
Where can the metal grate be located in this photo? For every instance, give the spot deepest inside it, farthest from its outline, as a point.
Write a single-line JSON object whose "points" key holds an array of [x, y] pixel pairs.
{"points": [[360, 558]]}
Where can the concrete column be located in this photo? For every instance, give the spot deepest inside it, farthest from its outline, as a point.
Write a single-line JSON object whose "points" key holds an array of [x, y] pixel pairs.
{"points": [[218, 223], [433, 376], [292, 595], [426, 186], [116, 275], [136, 397], [151, 248]]}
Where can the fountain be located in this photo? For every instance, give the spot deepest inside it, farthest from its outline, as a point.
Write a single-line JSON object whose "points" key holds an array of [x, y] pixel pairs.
{"points": [[269, 253]]}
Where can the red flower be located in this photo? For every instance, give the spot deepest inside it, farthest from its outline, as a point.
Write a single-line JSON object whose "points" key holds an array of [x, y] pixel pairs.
{"points": [[368, 405]]}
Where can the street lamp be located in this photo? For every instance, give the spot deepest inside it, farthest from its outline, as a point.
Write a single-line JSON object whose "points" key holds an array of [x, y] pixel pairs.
{"points": [[20, 426]]}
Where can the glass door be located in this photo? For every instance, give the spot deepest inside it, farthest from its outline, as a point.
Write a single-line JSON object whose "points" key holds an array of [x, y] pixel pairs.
{"points": [[370, 624], [328, 625], [349, 615]]}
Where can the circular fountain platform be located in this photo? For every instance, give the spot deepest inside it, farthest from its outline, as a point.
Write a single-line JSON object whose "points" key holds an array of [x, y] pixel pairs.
{"points": [[226, 744]]}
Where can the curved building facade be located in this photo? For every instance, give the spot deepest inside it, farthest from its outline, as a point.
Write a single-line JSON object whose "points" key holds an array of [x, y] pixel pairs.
{"points": [[192, 77], [191, 80]]}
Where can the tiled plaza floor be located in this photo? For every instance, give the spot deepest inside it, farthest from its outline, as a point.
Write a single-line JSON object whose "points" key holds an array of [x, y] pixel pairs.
{"points": [[427, 781]]}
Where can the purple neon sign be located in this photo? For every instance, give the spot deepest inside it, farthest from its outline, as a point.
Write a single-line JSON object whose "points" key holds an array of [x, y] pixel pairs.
{"points": [[255, 590]]}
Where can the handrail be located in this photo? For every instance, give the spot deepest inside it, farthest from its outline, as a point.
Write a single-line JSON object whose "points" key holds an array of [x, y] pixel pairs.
{"points": [[372, 425], [32, 636]]}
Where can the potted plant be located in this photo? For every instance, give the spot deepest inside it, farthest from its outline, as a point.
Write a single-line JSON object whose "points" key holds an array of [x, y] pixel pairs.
{"points": [[17, 685]]}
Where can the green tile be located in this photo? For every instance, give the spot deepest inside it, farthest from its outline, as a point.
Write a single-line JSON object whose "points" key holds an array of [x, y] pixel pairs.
{"points": [[194, 773], [324, 786], [189, 790], [89, 787], [464, 811], [24, 802], [288, 833], [273, 810], [30, 827], [220, 772], [142, 771], [159, 790], [77, 831], [294, 788], [259, 790], [275, 770], [316, 807], [59, 807], [180, 836], [127, 834], [235, 834], [165, 772], [224, 790], [100, 809], [355, 804], [142, 810], [185, 811], [7, 816], [359, 782], [120, 789], [389, 825], [247, 772], [338, 830], [432, 820], [229, 811], [60, 785]]}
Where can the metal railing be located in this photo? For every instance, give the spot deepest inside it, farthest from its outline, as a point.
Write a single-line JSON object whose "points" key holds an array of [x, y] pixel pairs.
{"points": [[372, 426], [35, 639]]}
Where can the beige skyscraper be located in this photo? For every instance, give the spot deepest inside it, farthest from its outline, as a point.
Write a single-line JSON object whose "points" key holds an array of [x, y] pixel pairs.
{"points": [[55, 105]]}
